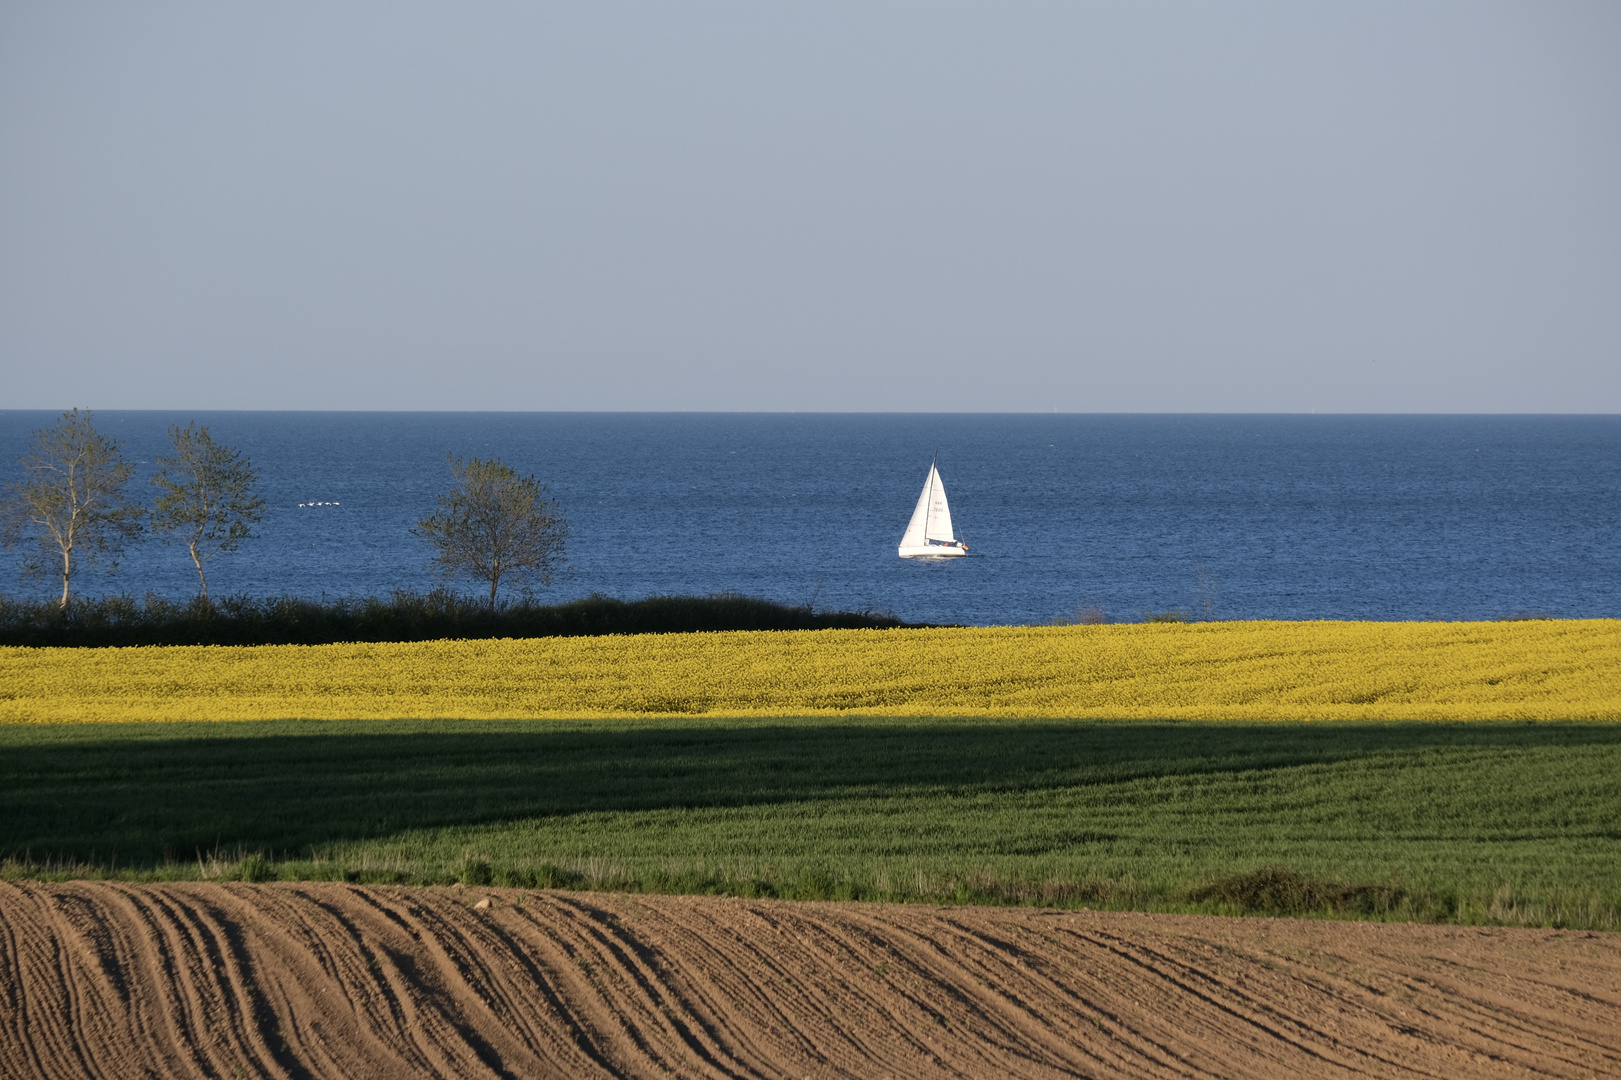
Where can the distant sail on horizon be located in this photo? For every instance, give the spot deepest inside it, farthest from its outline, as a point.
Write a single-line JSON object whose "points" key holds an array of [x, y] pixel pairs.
{"points": [[929, 534]]}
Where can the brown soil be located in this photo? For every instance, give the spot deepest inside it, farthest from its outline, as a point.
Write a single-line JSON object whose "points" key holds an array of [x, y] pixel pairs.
{"points": [[283, 980]]}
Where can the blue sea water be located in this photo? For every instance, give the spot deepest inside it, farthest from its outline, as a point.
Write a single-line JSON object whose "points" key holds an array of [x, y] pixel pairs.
{"points": [[1224, 516]]}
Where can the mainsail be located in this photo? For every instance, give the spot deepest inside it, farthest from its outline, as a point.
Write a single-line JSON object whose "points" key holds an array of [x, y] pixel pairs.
{"points": [[932, 518]]}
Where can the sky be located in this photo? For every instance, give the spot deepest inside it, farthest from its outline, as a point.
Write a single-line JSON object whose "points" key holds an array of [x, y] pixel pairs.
{"points": [[1366, 206]]}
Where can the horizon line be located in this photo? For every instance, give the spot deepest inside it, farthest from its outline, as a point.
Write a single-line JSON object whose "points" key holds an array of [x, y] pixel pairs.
{"points": [[801, 412]]}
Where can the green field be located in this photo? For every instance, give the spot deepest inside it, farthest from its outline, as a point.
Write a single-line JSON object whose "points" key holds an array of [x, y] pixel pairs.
{"points": [[1476, 822]]}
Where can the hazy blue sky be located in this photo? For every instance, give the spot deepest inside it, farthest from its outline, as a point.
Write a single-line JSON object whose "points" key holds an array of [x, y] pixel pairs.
{"points": [[1362, 206]]}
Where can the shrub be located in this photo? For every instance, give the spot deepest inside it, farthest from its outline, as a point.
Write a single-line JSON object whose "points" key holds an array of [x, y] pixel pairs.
{"points": [[404, 616], [1278, 890]]}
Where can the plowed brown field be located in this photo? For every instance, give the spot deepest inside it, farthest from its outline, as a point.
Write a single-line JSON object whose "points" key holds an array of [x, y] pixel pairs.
{"points": [[283, 980]]}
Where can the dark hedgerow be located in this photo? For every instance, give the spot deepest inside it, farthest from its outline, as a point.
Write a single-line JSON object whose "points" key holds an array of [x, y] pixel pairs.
{"points": [[405, 616]]}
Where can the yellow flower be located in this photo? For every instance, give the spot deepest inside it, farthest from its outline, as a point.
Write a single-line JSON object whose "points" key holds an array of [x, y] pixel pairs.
{"points": [[1542, 670]]}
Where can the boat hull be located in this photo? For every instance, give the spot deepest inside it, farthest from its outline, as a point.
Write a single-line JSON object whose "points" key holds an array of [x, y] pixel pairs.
{"points": [[931, 551]]}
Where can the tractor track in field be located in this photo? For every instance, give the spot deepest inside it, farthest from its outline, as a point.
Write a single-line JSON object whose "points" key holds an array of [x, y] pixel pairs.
{"points": [[327, 980]]}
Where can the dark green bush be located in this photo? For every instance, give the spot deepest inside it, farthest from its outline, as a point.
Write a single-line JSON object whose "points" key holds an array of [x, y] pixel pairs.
{"points": [[1278, 890], [405, 616]]}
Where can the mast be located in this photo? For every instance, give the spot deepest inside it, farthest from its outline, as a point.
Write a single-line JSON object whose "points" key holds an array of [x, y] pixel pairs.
{"points": [[928, 515]]}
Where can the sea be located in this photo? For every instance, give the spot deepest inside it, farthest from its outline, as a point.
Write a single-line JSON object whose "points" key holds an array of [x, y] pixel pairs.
{"points": [[1121, 516]]}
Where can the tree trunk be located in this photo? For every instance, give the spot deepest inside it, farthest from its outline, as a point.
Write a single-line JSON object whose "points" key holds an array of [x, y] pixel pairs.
{"points": [[67, 570], [193, 548]]}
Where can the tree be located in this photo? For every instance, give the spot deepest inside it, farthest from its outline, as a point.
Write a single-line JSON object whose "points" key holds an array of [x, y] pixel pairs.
{"points": [[495, 524], [208, 496], [71, 503]]}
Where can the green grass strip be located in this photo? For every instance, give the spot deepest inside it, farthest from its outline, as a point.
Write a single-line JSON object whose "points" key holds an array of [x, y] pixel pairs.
{"points": [[1476, 822]]}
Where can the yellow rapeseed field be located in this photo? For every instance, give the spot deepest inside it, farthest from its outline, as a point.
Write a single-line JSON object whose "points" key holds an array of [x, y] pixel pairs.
{"points": [[1542, 670]]}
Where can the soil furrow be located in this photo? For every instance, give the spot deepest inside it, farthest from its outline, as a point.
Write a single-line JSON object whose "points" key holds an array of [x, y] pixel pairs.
{"points": [[893, 997], [299, 980], [1148, 1039], [170, 1031], [332, 966], [1492, 1025], [620, 1037], [678, 1038], [103, 980], [102, 991], [493, 981], [1262, 1022], [407, 1000], [1249, 1006], [760, 983], [1469, 1026], [767, 1008], [836, 977], [1056, 992], [791, 966], [1098, 987], [240, 1017], [895, 1033], [1028, 1018], [324, 975], [38, 995], [1312, 1005], [474, 992]]}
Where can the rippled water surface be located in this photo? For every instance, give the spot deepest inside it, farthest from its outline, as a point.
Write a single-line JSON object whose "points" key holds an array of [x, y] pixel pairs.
{"points": [[1380, 517]]}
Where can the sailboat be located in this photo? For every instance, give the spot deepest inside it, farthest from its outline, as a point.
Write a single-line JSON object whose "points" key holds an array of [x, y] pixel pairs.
{"points": [[928, 535]]}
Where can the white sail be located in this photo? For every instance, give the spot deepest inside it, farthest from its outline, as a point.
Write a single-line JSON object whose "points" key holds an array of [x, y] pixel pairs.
{"points": [[932, 518], [913, 537], [938, 526]]}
